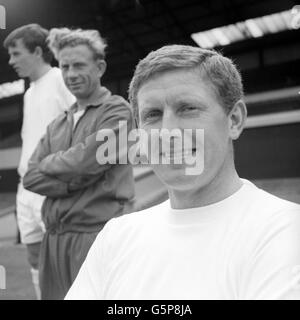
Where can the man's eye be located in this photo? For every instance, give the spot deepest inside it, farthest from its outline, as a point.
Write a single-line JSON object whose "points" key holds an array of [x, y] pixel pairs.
{"points": [[79, 65], [188, 108], [151, 115]]}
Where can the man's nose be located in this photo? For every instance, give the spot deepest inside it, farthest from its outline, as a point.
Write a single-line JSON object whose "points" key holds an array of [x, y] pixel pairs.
{"points": [[11, 61], [170, 121], [71, 74], [170, 133]]}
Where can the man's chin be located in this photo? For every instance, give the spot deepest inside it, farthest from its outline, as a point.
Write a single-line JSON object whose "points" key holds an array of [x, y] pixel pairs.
{"points": [[20, 74], [175, 177], [78, 93]]}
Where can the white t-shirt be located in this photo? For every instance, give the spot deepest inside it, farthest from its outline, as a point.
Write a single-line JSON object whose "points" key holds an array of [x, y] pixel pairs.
{"points": [[244, 247], [76, 116], [45, 99]]}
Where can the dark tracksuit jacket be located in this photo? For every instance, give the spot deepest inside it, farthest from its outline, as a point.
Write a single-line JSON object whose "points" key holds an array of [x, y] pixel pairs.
{"points": [[81, 195]]}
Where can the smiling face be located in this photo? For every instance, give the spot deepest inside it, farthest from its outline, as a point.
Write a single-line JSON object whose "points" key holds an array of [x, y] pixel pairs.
{"points": [[181, 99], [22, 60], [80, 70]]}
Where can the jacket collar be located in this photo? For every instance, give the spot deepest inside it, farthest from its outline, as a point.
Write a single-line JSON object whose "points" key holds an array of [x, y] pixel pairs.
{"points": [[104, 94]]}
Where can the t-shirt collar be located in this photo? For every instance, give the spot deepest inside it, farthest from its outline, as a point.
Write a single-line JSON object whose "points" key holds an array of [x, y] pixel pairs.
{"points": [[210, 212]]}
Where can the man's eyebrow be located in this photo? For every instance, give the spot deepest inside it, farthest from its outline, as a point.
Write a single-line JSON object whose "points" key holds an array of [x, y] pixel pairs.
{"points": [[149, 102], [192, 101], [149, 108]]}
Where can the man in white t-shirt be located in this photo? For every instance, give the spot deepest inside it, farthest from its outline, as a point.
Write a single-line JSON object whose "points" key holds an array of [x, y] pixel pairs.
{"points": [[218, 236], [46, 98]]}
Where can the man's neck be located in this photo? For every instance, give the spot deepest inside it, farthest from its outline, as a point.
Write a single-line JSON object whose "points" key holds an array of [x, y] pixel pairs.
{"points": [[222, 186], [39, 72], [92, 99]]}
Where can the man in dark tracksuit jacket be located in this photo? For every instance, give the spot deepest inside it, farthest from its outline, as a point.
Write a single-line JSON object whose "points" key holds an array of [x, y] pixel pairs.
{"points": [[82, 195]]}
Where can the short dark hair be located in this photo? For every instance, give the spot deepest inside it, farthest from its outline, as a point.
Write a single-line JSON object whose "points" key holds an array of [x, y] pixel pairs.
{"points": [[219, 71], [32, 35]]}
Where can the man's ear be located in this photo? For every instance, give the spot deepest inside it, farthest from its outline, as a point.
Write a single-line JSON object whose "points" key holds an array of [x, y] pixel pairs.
{"points": [[237, 119], [101, 66], [38, 51]]}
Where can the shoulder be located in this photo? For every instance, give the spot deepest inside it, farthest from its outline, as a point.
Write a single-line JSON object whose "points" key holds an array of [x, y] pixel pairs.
{"points": [[136, 222], [52, 78], [265, 203], [56, 124], [115, 104], [55, 79], [55, 74], [129, 232], [267, 216], [115, 99]]}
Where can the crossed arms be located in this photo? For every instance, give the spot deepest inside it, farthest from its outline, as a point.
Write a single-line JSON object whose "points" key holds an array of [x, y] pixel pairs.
{"points": [[60, 174]]}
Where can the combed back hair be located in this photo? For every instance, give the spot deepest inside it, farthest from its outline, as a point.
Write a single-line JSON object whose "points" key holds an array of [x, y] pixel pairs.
{"points": [[217, 69], [33, 36], [60, 38]]}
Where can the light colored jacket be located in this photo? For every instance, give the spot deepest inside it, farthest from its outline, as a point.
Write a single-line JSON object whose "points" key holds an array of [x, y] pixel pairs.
{"points": [[81, 193]]}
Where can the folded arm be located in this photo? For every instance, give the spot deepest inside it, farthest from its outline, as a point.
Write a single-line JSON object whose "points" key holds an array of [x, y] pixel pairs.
{"points": [[38, 182], [80, 163]]}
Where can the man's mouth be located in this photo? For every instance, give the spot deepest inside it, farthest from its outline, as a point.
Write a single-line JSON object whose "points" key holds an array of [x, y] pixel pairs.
{"points": [[179, 155], [74, 84]]}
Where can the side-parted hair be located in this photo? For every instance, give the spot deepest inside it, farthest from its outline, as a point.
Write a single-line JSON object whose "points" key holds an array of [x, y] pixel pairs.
{"points": [[60, 38], [33, 36], [212, 66]]}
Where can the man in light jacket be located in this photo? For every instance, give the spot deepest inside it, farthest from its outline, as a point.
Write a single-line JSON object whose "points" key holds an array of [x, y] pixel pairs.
{"points": [[82, 195]]}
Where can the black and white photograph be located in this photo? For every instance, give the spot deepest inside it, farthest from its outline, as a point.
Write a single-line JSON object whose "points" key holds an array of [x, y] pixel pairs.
{"points": [[149, 151]]}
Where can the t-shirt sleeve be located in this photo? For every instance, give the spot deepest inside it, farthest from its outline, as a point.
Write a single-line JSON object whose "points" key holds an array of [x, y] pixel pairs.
{"points": [[90, 281], [273, 268]]}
